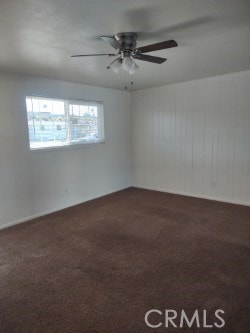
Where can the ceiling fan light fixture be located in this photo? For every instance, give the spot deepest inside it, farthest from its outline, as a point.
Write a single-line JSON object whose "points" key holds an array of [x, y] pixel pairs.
{"points": [[127, 63], [116, 65], [133, 68]]}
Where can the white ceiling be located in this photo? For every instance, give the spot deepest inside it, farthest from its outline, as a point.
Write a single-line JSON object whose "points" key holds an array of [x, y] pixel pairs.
{"points": [[38, 36]]}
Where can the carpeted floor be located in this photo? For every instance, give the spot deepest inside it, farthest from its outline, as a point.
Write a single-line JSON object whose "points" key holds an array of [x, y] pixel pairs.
{"points": [[100, 266]]}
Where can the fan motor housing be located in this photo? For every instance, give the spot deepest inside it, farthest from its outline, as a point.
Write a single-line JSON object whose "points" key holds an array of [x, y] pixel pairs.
{"points": [[127, 40]]}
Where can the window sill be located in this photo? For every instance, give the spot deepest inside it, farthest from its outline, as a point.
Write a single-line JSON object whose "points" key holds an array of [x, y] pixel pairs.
{"points": [[72, 146]]}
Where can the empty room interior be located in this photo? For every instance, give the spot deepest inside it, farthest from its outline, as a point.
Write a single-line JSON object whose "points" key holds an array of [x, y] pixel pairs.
{"points": [[124, 166]]}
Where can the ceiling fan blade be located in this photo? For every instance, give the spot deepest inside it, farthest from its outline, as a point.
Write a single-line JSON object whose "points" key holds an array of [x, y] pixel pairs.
{"points": [[93, 55], [158, 46], [112, 41], [149, 58]]}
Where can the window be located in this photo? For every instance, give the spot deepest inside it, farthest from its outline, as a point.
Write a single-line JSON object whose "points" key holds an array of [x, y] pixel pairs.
{"points": [[57, 122]]}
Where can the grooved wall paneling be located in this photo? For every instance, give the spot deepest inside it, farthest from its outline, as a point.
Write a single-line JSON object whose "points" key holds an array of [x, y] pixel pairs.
{"points": [[194, 138]]}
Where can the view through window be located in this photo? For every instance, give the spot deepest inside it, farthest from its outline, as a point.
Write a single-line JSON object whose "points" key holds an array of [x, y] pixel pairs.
{"points": [[56, 122]]}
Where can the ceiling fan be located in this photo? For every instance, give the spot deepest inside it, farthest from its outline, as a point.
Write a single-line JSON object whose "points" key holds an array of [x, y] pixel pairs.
{"points": [[125, 44]]}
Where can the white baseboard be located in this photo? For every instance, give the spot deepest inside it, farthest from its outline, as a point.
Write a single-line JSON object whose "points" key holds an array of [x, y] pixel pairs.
{"points": [[236, 202], [34, 216], [31, 217]]}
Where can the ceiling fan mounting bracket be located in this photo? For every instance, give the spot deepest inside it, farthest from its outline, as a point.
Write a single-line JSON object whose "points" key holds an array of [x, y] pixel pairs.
{"points": [[127, 40]]}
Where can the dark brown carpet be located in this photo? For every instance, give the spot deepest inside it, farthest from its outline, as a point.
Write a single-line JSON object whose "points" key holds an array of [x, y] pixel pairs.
{"points": [[99, 266]]}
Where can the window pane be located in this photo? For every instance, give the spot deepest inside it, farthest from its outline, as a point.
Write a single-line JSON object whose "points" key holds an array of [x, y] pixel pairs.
{"points": [[54, 122], [46, 121], [83, 123]]}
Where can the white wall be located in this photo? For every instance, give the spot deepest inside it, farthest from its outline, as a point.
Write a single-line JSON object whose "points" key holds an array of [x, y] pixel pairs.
{"points": [[191, 138], [194, 138], [33, 182]]}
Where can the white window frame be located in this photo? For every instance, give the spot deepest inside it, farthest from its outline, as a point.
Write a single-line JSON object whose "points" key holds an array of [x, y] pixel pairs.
{"points": [[69, 141]]}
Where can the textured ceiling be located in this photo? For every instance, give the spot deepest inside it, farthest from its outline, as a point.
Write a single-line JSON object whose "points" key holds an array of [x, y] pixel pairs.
{"points": [[38, 36]]}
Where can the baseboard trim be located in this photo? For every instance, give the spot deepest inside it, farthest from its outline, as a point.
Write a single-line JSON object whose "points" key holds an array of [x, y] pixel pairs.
{"points": [[235, 202], [31, 217], [50, 211]]}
